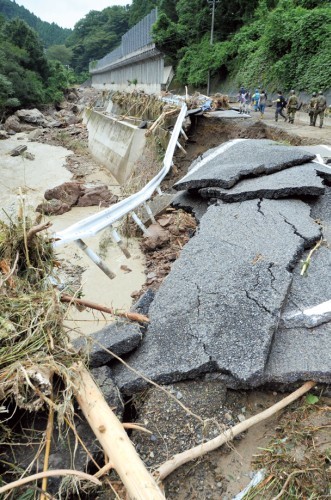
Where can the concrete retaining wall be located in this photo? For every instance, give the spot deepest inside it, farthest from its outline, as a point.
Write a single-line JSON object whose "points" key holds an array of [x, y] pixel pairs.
{"points": [[115, 144]]}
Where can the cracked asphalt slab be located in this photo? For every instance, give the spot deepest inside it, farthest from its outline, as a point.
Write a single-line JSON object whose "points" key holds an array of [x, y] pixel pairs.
{"points": [[301, 180], [219, 308], [227, 164]]}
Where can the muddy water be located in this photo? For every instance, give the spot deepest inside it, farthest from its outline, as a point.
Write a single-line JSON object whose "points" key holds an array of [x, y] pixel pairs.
{"points": [[32, 177], [46, 170], [95, 285]]}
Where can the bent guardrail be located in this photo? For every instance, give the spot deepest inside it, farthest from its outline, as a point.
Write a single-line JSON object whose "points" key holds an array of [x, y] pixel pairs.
{"points": [[105, 218]]}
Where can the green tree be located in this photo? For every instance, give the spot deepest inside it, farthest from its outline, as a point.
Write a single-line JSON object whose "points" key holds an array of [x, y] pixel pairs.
{"points": [[59, 53], [139, 9], [96, 35]]}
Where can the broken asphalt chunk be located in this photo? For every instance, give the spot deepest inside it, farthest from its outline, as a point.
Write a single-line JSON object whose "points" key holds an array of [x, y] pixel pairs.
{"points": [[227, 164], [297, 181], [219, 307]]}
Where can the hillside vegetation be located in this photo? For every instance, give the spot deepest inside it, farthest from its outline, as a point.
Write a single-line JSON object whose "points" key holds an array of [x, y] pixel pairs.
{"points": [[50, 33], [271, 43]]}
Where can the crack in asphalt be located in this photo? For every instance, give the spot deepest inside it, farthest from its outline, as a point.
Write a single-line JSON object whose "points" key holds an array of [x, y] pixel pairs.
{"points": [[261, 306]]}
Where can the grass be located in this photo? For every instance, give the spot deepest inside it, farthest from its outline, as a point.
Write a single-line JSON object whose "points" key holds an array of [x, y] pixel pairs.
{"points": [[297, 461]]}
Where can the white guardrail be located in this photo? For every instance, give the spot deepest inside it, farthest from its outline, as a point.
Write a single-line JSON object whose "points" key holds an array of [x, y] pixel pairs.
{"points": [[105, 218]]}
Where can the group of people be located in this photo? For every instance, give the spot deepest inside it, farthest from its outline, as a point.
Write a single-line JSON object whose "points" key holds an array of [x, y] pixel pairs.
{"points": [[316, 107]]}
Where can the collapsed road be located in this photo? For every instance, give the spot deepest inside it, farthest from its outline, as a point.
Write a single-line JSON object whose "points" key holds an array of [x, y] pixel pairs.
{"points": [[224, 306]]}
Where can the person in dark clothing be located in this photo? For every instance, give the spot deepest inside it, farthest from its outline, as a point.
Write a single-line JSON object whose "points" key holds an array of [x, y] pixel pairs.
{"points": [[280, 105], [311, 109], [320, 108]]}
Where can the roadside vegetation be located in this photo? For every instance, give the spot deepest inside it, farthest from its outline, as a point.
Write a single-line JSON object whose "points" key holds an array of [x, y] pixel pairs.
{"points": [[268, 43]]}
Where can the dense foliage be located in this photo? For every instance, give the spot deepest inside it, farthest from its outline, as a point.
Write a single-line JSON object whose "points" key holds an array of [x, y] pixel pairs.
{"points": [[271, 43], [26, 77], [50, 33], [97, 34]]}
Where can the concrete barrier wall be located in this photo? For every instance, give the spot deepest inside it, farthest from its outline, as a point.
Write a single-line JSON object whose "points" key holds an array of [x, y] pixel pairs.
{"points": [[115, 144]]}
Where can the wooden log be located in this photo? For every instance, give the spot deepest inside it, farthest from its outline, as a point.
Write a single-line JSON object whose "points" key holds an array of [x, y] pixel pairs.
{"points": [[108, 429], [18, 150], [181, 458], [92, 305]]}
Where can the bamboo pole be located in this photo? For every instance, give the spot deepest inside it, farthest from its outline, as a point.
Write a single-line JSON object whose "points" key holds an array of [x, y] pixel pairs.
{"points": [[182, 458], [113, 438]]}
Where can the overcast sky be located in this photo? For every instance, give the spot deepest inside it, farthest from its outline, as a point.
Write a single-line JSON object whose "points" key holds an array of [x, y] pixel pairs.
{"points": [[66, 13]]}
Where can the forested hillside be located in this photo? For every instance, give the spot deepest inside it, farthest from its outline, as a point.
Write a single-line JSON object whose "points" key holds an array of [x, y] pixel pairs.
{"points": [[27, 78], [50, 33], [273, 43]]}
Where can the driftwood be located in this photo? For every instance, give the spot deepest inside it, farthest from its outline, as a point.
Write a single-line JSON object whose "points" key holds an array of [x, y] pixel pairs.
{"points": [[117, 446], [182, 458], [159, 119], [36, 229], [49, 473], [92, 305]]}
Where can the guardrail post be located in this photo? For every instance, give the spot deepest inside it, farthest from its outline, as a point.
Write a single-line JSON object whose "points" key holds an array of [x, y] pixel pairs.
{"points": [[119, 241], [96, 259], [149, 211], [139, 223]]}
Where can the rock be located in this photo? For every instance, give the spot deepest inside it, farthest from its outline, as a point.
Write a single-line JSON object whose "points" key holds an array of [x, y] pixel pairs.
{"points": [[68, 193], [119, 337], [35, 134], [96, 195], [53, 207], [158, 237], [227, 164], [296, 181], [3, 135], [13, 124], [32, 116], [219, 307]]}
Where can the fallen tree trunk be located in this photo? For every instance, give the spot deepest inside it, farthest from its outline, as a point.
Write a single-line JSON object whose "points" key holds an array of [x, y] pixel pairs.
{"points": [[92, 305], [113, 438], [181, 458]]}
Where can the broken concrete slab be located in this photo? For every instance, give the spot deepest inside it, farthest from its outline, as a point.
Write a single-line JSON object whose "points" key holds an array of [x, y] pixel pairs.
{"points": [[297, 181], [225, 165], [219, 307], [120, 338]]}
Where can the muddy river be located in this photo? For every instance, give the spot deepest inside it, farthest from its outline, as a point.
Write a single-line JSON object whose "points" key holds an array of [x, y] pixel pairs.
{"points": [[47, 169]]}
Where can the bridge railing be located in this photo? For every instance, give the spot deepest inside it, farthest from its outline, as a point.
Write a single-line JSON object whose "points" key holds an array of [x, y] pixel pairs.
{"points": [[106, 218]]}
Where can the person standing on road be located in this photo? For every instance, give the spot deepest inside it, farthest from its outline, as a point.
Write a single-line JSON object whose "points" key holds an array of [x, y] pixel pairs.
{"points": [[280, 105], [292, 106], [255, 99], [320, 107], [311, 109], [262, 102]]}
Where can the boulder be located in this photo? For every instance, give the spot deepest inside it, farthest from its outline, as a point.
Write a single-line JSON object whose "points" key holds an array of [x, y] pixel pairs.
{"points": [[32, 116], [96, 195], [13, 124], [68, 193], [53, 207]]}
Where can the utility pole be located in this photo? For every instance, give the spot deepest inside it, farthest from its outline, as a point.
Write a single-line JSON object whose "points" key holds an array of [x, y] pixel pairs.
{"points": [[213, 4]]}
